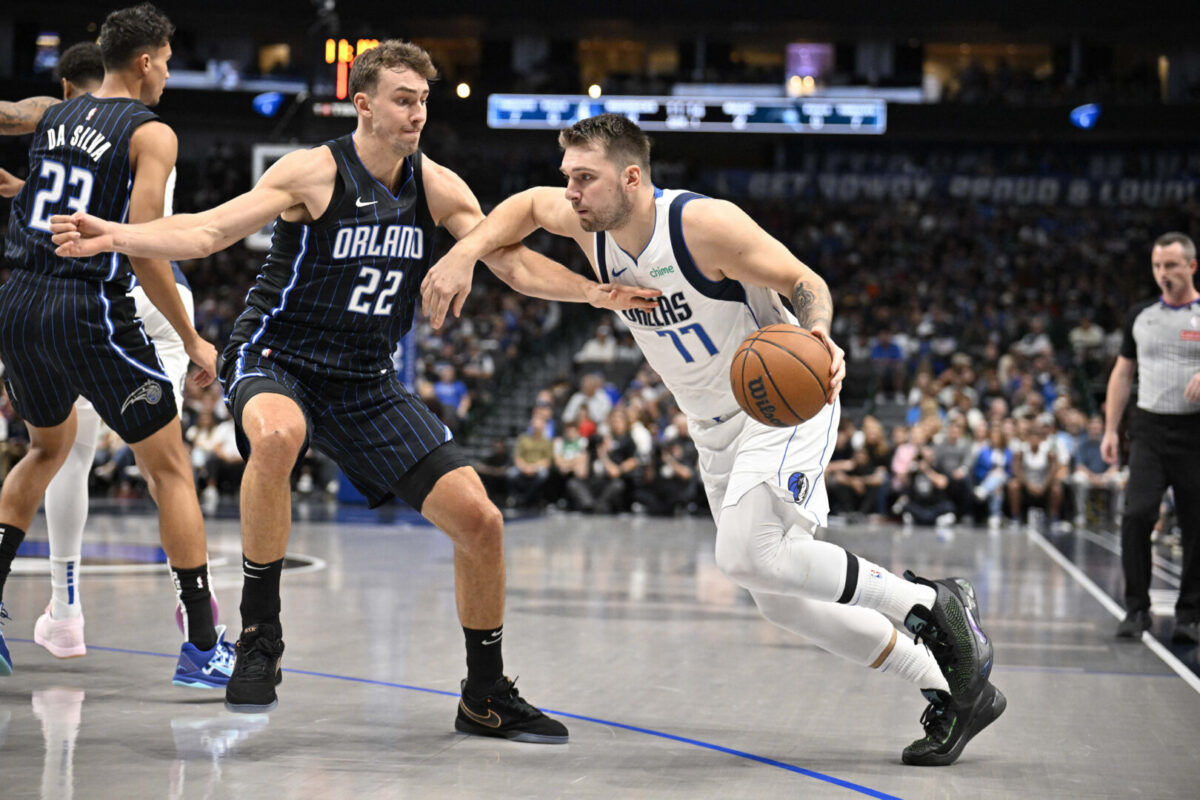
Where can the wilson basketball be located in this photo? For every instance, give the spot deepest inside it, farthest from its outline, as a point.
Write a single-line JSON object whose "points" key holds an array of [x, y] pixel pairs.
{"points": [[780, 375]]}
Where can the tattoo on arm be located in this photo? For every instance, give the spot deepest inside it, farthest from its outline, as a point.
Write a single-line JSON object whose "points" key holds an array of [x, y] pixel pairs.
{"points": [[23, 115], [812, 306]]}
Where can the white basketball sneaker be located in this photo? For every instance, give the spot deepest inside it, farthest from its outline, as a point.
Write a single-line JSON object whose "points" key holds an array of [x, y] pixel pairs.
{"points": [[62, 637]]}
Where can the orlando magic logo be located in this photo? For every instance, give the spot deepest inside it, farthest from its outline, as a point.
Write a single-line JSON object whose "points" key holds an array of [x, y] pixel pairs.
{"points": [[798, 486], [150, 392]]}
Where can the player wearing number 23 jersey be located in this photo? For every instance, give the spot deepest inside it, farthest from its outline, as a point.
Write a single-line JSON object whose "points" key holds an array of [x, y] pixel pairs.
{"points": [[67, 325]]}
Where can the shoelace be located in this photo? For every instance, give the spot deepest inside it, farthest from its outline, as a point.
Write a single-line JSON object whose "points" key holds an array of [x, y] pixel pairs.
{"points": [[225, 657], [513, 698], [935, 639], [936, 721], [259, 659]]}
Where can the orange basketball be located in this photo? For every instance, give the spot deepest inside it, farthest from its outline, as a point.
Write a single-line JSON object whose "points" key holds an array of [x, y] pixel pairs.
{"points": [[780, 375]]}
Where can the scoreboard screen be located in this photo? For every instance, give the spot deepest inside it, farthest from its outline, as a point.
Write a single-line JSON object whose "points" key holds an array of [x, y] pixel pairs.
{"points": [[827, 115]]}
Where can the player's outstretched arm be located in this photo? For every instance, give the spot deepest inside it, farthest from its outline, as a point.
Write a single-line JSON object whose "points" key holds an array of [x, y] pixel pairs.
{"points": [[535, 275], [23, 116], [303, 178], [495, 241], [727, 243]]}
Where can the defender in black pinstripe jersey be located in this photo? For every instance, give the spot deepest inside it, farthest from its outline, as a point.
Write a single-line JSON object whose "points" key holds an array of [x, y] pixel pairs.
{"points": [[67, 326], [310, 357]]}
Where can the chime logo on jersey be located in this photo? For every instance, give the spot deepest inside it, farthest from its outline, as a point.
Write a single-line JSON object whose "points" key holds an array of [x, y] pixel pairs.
{"points": [[398, 241], [798, 486], [149, 392]]}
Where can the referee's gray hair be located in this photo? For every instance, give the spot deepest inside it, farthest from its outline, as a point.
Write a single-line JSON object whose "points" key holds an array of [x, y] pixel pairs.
{"points": [[1181, 239]]}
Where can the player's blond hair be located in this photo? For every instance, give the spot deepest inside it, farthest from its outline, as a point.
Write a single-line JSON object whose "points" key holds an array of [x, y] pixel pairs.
{"points": [[624, 143], [390, 54]]}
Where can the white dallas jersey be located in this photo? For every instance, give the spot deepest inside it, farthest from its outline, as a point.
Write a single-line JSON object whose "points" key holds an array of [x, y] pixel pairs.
{"points": [[691, 337]]}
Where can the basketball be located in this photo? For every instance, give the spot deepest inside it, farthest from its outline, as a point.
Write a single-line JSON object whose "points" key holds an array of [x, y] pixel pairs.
{"points": [[780, 375]]}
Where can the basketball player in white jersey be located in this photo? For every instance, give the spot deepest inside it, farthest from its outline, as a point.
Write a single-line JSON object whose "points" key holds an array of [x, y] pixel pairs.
{"points": [[721, 276], [60, 628]]}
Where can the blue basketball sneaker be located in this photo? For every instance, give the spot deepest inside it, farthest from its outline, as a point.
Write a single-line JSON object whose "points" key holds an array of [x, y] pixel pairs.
{"points": [[5, 658], [205, 669]]}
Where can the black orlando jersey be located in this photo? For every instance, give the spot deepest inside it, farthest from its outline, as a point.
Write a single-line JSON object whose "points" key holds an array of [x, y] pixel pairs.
{"points": [[337, 294], [79, 161]]}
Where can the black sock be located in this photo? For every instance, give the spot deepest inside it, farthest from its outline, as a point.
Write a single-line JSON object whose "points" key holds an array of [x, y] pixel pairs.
{"points": [[260, 592], [485, 662], [191, 586], [10, 539]]}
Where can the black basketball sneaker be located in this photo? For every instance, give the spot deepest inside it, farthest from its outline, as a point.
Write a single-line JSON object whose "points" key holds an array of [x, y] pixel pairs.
{"points": [[948, 729], [256, 673], [503, 713], [963, 651]]}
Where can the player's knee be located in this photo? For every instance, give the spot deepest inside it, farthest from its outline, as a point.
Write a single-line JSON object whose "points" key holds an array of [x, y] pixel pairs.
{"points": [[274, 449], [481, 530]]}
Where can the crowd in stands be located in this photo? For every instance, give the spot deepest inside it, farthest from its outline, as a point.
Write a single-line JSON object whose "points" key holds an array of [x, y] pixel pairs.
{"points": [[973, 328]]}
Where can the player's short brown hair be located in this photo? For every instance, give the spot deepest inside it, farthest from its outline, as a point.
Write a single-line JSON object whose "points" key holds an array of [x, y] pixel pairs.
{"points": [[1181, 239], [81, 64], [129, 32], [390, 54], [623, 141]]}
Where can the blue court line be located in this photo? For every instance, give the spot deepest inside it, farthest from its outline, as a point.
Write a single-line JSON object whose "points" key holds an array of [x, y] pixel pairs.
{"points": [[770, 762]]}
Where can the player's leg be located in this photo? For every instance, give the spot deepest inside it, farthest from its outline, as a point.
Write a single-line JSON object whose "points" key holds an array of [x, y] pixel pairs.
{"points": [[459, 506], [119, 370], [60, 628], [273, 433], [20, 497], [206, 660], [775, 497], [857, 634], [389, 443]]}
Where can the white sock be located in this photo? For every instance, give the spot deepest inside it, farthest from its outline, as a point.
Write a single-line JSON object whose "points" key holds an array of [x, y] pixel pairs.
{"points": [[66, 513], [64, 580], [914, 663], [888, 594]]}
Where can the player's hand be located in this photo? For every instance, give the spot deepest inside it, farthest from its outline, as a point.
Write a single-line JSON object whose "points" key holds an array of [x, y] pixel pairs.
{"points": [[837, 365], [618, 296], [1108, 447], [9, 184], [204, 356], [1191, 392], [446, 287], [80, 235]]}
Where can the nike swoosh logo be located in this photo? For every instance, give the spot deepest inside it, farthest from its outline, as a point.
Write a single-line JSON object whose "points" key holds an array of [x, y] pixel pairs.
{"points": [[616, 272], [492, 720], [358, 201], [492, 641]]}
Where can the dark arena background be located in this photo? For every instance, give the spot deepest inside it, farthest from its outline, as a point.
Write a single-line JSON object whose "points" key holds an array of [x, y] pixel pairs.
{"points": [[980, 184]]}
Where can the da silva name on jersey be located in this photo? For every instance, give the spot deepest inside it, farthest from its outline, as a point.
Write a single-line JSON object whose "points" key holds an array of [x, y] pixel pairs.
{"points": [[85, 138]]}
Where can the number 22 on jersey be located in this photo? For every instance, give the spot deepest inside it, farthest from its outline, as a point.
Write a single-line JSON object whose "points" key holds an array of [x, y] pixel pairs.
{"points": [[363, 296]]}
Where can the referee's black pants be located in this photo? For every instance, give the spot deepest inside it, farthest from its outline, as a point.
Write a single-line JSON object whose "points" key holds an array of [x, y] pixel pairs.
{"points": [[1164, 451]]}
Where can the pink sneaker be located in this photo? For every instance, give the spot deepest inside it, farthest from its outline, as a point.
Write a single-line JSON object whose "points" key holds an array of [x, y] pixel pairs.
{"points": [[62, 637]]}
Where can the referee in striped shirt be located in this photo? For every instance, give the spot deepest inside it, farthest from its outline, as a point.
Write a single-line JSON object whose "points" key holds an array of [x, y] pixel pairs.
{"points": [[1162, 345]]}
